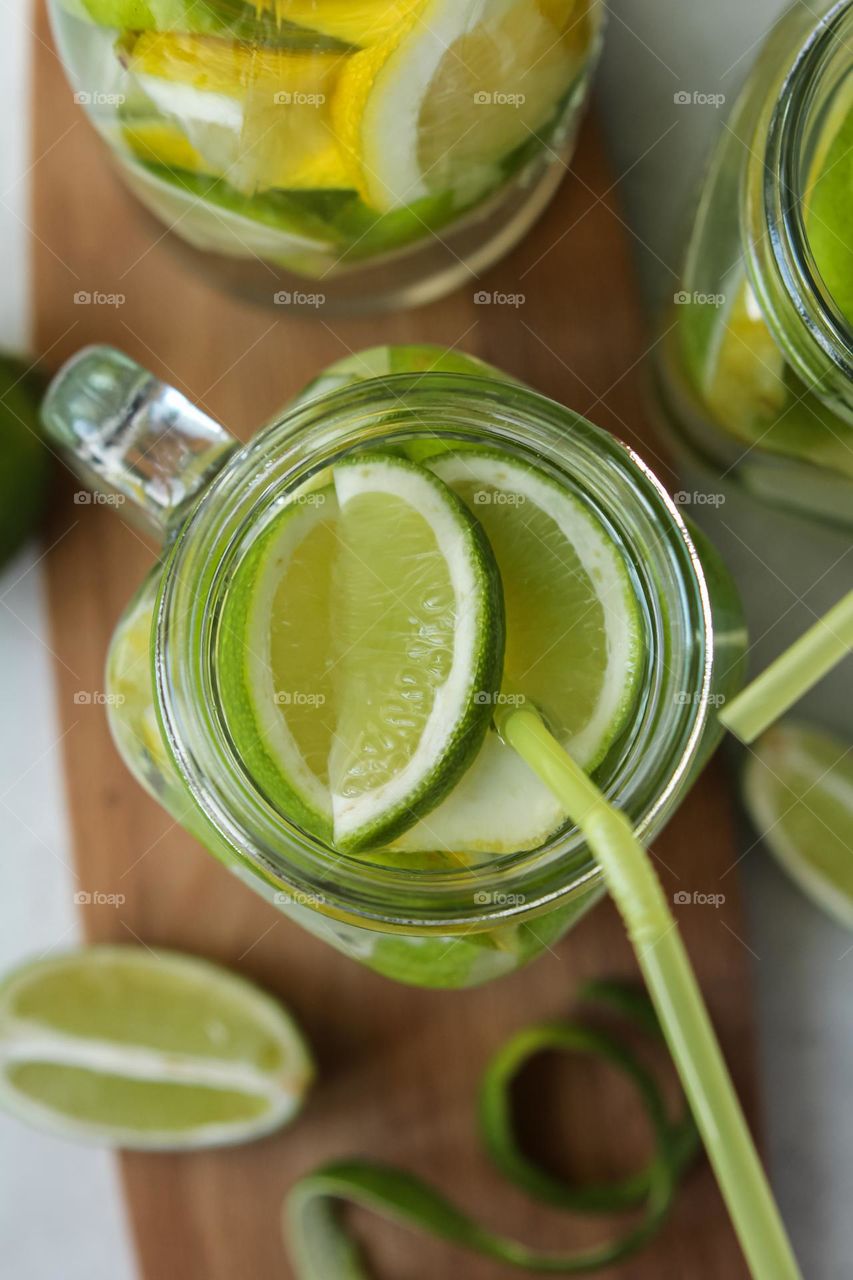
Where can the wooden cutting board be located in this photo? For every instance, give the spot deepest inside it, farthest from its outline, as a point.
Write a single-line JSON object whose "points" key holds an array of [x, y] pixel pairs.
{"points": [[398, 1067]]}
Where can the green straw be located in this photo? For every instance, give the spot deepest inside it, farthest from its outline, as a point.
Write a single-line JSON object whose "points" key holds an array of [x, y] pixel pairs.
{"points": [[796, 671], [635, 888]]}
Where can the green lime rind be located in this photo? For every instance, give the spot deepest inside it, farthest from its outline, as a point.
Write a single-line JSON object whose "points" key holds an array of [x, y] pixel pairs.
{"points": [[25, 463], [321, 1246], [250, 730], [798, 791], [124, 1046], [476, 673]]}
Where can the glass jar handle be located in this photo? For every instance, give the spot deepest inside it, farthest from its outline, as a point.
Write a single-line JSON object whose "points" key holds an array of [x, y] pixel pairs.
{"points": [[125, 433]]}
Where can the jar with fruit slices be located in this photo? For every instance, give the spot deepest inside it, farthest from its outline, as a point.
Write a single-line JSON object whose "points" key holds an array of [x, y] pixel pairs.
{"points": [[327, 152], [308, 679], [754, 380]]}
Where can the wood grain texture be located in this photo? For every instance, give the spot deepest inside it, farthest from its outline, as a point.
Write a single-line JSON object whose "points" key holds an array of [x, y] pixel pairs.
{"points": [[399, 1067]]}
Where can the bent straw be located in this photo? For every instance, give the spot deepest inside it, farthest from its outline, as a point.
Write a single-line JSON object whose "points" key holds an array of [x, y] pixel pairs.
{"points": [[635, 888], [796, 671]]}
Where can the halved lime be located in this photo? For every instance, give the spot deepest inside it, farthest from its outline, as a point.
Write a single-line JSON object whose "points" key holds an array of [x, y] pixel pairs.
{"points": [[147, 1050], [798, 789], [574, 647], [420, 630], [451, 91]]}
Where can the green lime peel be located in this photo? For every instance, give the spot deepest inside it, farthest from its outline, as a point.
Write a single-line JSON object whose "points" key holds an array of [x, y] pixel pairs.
{"points": [[322, 1247]]}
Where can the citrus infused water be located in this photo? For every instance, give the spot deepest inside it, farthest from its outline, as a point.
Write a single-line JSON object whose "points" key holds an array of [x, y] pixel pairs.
{"points": [[309, 680], [755, 381], [322, 136]]}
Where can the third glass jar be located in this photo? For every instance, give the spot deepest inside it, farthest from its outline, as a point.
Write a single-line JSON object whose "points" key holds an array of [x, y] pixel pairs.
{"points": [[755, 381]]}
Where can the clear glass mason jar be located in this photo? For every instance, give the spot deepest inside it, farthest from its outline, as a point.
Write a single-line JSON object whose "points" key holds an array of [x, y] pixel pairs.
{"points": [[373, 155], [754, 377], [426, 920]]}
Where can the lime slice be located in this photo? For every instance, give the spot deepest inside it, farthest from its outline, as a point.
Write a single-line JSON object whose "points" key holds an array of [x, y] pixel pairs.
{"points": [[451, 91], [258, 116], [24, 461], [421, 637], [147, 1050], [277, 662], [574, 647], [798, 789]]}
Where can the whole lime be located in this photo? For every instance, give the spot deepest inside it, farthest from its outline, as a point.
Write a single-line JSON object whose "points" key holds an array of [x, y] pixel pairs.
{"points": [[24, 460]]}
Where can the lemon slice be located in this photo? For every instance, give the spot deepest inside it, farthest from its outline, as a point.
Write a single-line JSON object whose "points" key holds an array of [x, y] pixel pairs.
{"points": [[163, 143], [147, 1050], [757, 398], [451, 91], [356, 22], [421, 633], [257, 117], [574, 647], [745, 375], [798, 789]]}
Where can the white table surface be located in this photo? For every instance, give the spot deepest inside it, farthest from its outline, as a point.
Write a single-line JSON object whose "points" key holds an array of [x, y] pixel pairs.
{"points": [[61, 1213]]}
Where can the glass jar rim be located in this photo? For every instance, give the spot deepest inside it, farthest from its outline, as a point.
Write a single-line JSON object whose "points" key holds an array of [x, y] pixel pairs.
{"points": [[784, 186], [307, 438]]}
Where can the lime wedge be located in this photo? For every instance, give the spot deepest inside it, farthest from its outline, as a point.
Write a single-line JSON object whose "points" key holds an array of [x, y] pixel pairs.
{"points": [[798, 790], [132, 1048], [277, 662], [574, 647], [420, 629], [451, 91]]}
